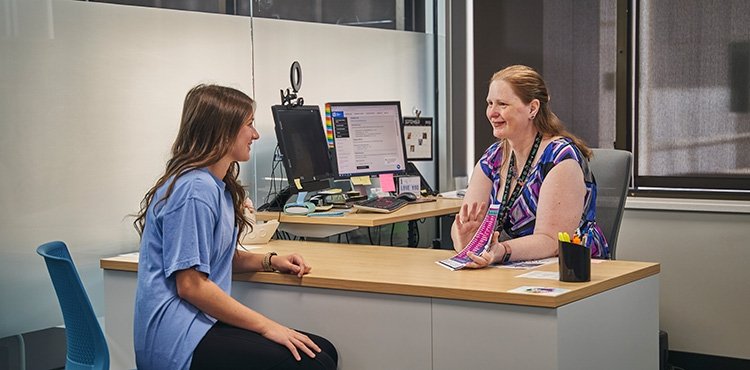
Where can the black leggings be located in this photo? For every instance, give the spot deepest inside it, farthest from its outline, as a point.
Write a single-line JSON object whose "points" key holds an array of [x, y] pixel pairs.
{"points": [[229, 347]]}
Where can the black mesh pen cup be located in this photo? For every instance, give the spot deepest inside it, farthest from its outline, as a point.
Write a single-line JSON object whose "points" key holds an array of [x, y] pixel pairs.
{"points": [[575, 262]]}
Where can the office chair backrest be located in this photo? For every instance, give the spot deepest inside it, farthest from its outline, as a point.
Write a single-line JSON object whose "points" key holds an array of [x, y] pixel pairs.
{"points": [[87, 348], [611, 168]]}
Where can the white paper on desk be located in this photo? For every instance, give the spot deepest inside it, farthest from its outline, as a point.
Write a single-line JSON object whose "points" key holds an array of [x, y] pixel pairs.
{"points": [[132, 257], [453, 194], [539, 290], [526, 265], [547, 275]]}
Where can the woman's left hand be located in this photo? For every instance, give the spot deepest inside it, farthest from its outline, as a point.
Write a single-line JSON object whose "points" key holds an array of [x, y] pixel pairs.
{"points": [[487, 257], [291, 264]]}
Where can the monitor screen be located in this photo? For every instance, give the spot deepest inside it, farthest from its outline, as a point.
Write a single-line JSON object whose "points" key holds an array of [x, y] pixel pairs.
{"points": [[367, 138], [304, 150]]}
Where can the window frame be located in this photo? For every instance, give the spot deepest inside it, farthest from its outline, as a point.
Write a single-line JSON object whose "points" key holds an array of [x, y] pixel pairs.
{"points": [[627, 132]]}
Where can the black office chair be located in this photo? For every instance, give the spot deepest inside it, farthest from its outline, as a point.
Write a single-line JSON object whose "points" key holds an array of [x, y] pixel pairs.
{"points": [[611, 169]]}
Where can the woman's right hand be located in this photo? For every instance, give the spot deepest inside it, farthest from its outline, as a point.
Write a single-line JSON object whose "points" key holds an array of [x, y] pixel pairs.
{"points": [[468, 220], [487, 257], [291, 339]]}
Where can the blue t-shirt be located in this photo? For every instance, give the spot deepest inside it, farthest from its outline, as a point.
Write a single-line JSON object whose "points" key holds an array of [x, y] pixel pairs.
{"points": [[193, 228]]}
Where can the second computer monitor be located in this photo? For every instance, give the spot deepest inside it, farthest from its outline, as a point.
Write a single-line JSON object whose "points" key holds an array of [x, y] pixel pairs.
{"points": [[367, 138], [304, 150]]}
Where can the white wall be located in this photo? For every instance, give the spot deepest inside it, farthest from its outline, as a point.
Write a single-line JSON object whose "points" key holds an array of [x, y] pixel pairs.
{"points": [[338, 64], [91, 96], [705, 279], [90, 100]]}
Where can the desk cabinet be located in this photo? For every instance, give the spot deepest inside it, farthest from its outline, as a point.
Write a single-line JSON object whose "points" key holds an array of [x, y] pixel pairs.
{"points": [[408, 313]]}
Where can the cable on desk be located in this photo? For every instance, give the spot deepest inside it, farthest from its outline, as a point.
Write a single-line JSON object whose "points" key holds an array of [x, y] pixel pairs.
{"points": [[346, 234], [275, 164], [369, 235], [276, 190], [285, 235]]}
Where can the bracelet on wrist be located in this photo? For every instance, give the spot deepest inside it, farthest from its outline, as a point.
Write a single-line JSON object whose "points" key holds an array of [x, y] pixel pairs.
{"points": [[266, 264], [506, 254]]}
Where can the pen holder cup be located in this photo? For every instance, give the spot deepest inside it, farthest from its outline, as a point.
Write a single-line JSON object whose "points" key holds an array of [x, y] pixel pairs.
{"points": [[575, 262]]}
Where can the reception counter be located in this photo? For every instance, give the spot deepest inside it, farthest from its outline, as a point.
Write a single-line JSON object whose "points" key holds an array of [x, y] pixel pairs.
{"points": [[395, 308]]}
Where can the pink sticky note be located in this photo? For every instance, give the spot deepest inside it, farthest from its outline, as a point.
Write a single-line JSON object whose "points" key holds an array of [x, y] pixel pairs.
{"points": [[386, 182]]}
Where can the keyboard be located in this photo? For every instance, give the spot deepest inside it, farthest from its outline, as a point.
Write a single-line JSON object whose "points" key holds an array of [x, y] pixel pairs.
{"points": [[380, 205]]}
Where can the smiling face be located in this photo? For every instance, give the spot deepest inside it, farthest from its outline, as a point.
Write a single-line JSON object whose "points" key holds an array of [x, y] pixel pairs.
{"points": [[508, 115], [241, 148]]}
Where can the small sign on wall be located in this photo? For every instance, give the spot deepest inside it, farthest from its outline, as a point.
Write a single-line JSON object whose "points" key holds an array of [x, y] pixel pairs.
{"points": [[418, 138]]}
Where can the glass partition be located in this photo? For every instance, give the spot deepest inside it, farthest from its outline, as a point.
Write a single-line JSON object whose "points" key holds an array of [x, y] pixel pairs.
{"points": [[91, 97]]}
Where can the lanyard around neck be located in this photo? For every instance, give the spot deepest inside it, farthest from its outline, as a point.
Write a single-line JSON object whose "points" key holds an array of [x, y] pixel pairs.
{"points": [[507, 203]]}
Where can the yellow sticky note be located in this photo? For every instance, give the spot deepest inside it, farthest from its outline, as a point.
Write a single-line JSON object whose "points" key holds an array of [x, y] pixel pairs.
{"points": [[361, 180], [298, 184]]}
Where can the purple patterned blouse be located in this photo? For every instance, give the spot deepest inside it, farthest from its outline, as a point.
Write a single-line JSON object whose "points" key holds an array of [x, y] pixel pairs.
{"points": [[522, 217]]}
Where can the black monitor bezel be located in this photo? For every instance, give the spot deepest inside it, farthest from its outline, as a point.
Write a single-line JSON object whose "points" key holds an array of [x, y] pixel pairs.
{"points": [[334, 156], [318, 181]]}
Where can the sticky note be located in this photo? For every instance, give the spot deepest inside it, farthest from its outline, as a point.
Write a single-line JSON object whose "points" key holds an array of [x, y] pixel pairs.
{"points": [[361, 180], [386, 182]]}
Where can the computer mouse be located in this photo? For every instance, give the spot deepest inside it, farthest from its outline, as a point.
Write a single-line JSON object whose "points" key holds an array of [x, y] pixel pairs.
{"points": [[409, 197]]}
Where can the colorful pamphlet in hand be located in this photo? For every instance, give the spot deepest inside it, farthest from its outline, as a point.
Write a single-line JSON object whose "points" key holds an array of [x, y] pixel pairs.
{"points": [[478, 244]]}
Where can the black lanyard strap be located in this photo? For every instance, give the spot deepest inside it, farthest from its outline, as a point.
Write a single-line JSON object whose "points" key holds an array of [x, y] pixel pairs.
{"points": [[507, 203]]}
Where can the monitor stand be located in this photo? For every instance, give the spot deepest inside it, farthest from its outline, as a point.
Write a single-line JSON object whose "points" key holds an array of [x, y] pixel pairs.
{"points": [[312, 186]]}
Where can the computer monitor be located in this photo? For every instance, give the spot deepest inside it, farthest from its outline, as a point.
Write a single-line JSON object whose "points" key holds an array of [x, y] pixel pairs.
{"points": [[367, 138], [304, 150]]}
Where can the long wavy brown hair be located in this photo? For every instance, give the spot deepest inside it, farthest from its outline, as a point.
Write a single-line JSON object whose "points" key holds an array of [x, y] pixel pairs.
{"points": [[529, 85], [211, 120]]}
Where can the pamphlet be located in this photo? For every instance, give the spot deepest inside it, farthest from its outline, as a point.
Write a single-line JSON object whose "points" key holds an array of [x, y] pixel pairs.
{"points": [[478, 244], [539, 290], [529, 264]]}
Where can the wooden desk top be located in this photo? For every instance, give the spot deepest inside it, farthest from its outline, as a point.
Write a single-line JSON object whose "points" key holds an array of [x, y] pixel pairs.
{"points": [[440, 207], [413, 272]]}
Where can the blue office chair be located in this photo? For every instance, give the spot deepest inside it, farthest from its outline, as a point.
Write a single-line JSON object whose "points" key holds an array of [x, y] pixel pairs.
{"points": [[612, 169], [87, 348]]}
